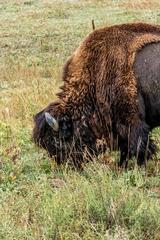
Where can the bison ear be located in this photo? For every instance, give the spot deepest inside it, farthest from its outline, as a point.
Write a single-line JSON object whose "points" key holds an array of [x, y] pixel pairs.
{"points": [[52, 121]]}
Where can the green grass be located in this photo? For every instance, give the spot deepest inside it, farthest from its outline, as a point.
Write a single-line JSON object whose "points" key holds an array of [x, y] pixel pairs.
{"points": [[39, 200]]}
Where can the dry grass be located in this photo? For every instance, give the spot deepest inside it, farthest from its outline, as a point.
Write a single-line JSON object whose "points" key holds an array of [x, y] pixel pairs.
{"points": [[141, 5]]}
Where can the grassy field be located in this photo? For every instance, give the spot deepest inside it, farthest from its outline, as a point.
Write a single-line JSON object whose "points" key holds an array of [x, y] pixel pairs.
{"points": [[39, 200]]}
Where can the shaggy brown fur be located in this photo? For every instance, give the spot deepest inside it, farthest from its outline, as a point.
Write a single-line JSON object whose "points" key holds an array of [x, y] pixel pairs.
{"points": [[100, 90]]}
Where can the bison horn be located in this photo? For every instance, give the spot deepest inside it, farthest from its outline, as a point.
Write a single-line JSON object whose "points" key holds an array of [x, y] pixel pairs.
{"points": [[52, 121]]}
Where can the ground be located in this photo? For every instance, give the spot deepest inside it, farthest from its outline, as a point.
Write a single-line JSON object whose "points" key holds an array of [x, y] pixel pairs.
{"points": [[39, 200]]}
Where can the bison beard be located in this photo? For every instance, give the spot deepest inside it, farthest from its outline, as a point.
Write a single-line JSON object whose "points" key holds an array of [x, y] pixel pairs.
{"points": [[111, 91]]}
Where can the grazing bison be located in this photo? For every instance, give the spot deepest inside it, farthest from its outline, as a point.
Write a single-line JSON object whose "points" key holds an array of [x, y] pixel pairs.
{"points": [[111, 91]]}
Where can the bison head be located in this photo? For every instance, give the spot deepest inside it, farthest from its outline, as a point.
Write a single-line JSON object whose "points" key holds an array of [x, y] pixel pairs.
{"points": [[62, 137], [53, 132]]}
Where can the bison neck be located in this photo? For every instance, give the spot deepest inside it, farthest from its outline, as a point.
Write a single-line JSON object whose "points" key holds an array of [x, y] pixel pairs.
{"points": [[147, 70]]}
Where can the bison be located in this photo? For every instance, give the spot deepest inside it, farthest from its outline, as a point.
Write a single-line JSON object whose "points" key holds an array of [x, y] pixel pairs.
{"points": [[111, 92]]}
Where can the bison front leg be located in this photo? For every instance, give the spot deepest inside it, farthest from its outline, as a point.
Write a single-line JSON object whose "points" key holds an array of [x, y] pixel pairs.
{"points": [[136, 143], [124, 155], [150, 150]]}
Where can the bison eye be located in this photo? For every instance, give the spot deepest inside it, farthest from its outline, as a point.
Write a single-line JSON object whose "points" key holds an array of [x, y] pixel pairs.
{"points": [[66, 127]]}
